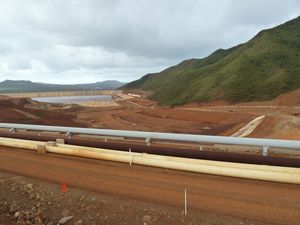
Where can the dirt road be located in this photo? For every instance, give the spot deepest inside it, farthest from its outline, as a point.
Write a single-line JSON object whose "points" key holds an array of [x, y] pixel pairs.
{"points": [[266, 202]]}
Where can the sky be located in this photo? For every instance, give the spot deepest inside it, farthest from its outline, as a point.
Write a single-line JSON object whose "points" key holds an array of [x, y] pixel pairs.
{"points": [[83, 41]]}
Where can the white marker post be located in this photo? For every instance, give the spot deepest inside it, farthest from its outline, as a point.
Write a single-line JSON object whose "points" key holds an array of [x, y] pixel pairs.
{"points": [[185, 202], [131, 160]]}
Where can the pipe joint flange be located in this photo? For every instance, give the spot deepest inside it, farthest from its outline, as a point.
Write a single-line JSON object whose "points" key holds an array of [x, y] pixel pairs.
{"points": [[265, 150], [148, 141], [12, 130], [69, 134]]}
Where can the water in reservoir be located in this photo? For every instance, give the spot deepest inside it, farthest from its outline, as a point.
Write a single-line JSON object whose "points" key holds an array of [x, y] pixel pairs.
{"points": [[74, 99]]}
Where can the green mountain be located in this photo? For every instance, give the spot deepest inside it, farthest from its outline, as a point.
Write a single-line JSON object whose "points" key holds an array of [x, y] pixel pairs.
{"points": [[10, 86], [260, 69]]}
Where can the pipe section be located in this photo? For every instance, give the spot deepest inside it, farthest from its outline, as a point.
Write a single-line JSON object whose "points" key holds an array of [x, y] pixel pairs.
{"points": [[161, 136], [159, 150], [248, 171]]}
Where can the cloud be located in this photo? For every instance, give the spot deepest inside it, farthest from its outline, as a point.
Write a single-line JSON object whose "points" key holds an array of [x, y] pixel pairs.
{"points": [[72, 41]]}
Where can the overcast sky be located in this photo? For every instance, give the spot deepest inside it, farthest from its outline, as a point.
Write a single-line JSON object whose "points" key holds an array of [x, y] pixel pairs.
{"points": [[81, 41]]}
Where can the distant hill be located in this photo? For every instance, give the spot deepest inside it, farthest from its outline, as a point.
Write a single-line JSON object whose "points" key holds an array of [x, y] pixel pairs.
{"points": [[261, 69], [10, 86]]}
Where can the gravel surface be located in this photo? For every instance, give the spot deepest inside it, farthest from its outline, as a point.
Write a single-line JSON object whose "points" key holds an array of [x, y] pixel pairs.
{"points": [[28, 201]]}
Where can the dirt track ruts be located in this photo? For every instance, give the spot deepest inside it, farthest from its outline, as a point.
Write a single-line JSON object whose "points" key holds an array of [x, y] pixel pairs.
{"points": [[262, 201]]}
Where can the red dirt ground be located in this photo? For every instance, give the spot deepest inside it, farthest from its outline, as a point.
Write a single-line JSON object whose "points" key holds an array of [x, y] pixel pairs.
{"points": [[164, 119], [281, 121], [15, 110], [126, 116], [263, 202]]}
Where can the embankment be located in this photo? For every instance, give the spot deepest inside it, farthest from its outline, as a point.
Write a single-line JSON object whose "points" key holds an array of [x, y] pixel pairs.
{"points": [[59, 93]]}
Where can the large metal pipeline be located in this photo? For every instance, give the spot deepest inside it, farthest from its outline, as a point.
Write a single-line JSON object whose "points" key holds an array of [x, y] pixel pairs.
{"points": [[257, 172], [159, 150], [161, 136]]}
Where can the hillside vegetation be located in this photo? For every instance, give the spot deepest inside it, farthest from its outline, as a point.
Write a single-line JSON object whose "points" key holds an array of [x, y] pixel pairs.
{"points": [[261, 69], [10, 86]]}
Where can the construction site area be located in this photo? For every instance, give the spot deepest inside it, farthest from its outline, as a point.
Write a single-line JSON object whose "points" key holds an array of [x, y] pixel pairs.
{"points": [[130, 161]]}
